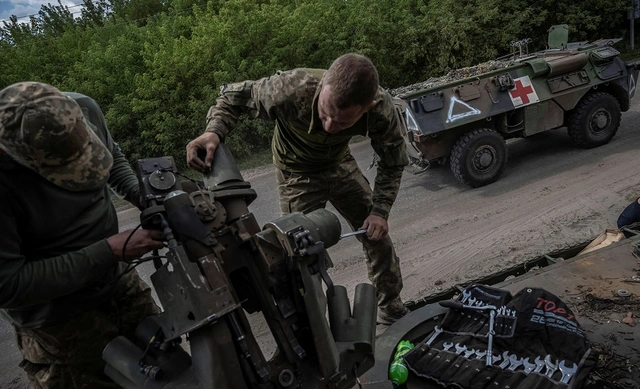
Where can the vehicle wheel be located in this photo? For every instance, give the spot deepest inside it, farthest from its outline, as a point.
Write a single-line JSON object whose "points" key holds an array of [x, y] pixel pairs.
{"points": [[594, 121], [478, 157]]}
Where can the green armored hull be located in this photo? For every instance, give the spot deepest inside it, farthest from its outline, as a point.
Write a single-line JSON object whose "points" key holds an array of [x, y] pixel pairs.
{"points": [[466, 116]]}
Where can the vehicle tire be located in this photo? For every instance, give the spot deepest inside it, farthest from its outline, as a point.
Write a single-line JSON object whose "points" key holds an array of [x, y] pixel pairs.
{"points": [[478, 157], [594, 121]]}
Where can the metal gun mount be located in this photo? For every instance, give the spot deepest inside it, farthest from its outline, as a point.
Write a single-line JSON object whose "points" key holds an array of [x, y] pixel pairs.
{"points": [[219, 265]]}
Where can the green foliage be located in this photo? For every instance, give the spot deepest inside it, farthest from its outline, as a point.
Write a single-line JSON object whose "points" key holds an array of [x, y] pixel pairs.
{"points": [[155, 66]]}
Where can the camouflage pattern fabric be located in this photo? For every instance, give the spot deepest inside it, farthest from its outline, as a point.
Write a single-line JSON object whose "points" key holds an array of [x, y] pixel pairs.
{"points": [[69, 355], [46, 131], [300, 144], [346, 188]]}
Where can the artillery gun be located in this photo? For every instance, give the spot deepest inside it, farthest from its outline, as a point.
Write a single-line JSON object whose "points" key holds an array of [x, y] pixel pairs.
{"points": [[466, 116], [219, 265]]}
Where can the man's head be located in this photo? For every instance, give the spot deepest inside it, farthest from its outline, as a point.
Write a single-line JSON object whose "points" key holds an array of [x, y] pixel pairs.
{"points": [[45, 131], [348, 91]]}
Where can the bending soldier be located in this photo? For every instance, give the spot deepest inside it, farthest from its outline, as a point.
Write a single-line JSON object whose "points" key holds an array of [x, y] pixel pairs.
{"points": [[317, 112]]}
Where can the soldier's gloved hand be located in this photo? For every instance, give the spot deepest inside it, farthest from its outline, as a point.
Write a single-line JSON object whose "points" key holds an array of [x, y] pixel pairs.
{"points": [[376, 227], [141, 242], [207, 142]]}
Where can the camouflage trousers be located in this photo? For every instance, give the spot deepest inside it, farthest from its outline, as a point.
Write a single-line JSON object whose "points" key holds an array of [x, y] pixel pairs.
{"points": [[69, 355], [347, 189]]}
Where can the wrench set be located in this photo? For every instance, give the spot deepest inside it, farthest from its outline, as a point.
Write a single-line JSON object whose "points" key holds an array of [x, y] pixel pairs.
{"points": [[489, 341], [545, 366], [505, 318]]}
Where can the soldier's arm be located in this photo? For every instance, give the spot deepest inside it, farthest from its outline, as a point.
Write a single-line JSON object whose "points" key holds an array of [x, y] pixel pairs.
{"points": [[388, 143], [283, 93], [24, 283], [122, 180]]}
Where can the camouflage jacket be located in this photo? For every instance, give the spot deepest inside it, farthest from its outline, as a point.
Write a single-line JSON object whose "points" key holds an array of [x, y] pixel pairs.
{"points": [[300, 144], [54, 258]]}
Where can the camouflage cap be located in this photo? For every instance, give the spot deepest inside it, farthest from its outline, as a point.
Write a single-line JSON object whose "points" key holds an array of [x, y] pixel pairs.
{"points": [[45, 130]]}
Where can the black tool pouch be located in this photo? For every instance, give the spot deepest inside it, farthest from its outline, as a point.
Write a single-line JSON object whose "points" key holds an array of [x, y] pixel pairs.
{"points": [[532, 325]]}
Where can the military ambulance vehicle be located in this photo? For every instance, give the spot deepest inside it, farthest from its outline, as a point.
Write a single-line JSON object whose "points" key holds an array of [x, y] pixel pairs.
{"points": [[466, 116]]}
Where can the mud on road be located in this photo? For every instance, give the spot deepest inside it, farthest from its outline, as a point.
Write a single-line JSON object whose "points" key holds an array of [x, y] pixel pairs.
{"points": [[551, 196]]}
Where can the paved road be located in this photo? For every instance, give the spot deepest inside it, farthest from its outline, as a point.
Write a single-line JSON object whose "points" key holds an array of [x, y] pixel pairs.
{"points": [[551, 196]]}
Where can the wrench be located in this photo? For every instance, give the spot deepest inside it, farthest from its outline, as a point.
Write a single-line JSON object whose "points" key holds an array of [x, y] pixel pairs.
{"points": [[480, 354], [505, 360], [567, 372], [496, 358], [447, 346], [528, 366], [348, 234], [539, 364], [437, 331], [460, 349], [515, 362], [472, 301], [492, 315], [551, 367], [490, 333], [465, 296], [469, 353]]}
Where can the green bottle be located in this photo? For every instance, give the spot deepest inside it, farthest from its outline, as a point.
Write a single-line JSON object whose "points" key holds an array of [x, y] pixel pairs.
{"points": [[398, 372]]}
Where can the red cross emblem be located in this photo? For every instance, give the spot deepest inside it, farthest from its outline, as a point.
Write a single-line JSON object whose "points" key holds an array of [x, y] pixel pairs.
{"points": [[523, 93]]}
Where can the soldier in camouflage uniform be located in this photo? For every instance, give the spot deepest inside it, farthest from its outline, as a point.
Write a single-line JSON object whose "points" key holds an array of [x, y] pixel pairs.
{"points": [[317, 112], [60, 250]]}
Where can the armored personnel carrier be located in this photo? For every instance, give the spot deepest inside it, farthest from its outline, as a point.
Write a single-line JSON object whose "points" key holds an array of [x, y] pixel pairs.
{"points": [[466, 116]]}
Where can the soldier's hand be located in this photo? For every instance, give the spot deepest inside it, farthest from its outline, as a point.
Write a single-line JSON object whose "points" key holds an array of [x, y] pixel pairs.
{"points": [[376, 227], [141, 242], [207, 142]]}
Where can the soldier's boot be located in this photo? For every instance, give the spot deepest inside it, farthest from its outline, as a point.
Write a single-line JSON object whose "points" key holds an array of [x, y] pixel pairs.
{"points": [[391, 312]]}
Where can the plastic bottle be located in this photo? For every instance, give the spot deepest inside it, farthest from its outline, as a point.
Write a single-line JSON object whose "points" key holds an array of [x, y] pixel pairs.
{"points": [[398, 372]]}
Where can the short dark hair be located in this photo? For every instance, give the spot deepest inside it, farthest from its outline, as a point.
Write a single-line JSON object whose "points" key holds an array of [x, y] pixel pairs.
{"points": [[353, 79]]}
